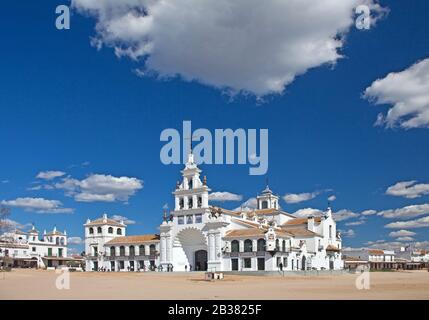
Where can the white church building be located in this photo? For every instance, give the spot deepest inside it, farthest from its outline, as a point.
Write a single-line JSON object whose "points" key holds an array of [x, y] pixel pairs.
{"points": [[197, 236]]}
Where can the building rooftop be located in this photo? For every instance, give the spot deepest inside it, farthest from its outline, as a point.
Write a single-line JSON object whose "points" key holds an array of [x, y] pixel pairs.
{"points": [[134, 239]]}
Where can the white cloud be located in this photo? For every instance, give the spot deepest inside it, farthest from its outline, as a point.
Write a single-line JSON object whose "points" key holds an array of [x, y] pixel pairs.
{"points": [[244, 45], [348, 234], [50, 175], [74, 240], [405, 239], [355, 223], [406, 212], [408, 189], [411, 224], [39, 205], [300, 197], [5, 181], [225, 196], [99, 187], [408, 94], [9, 225], [124, 219], [344, 214], [332, 198], [401, 233], [248, 205], [368, 212], [305, 212]]}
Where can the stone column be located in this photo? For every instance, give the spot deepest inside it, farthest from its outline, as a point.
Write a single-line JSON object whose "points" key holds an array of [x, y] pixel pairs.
{"points": [[177, 203], [194, 201], [241, 245], [185, 202], [254, 245], [218, 250]]}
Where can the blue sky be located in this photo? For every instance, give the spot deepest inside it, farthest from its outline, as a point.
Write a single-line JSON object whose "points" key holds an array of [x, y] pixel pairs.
{"points": [[66, 106]]}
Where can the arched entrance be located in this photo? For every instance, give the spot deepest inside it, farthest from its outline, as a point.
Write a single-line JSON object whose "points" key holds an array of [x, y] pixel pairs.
{"points": [[201, 260], [303, 263], [190, 250]]}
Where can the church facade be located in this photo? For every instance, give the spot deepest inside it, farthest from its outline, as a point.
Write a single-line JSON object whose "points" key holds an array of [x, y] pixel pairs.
{"points": [[197, 236]]}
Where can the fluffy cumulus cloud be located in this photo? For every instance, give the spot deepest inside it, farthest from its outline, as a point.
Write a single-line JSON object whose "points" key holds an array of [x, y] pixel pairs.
{"points": [[39, 205], [332, 198], [405, 239], [410, 224], [100, 187], [305, 212], [408, 189], [406, 212], [300, 197], [122, 218], [248, 205], [248, 46], [224, 196], [50, 175], [407, 92], [369, 212], [401, 233], [344, 214]]}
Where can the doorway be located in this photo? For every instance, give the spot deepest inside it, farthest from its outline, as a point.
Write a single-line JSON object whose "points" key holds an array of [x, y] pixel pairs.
{"points": [[201, 260], [234, 264], [261, 263]]}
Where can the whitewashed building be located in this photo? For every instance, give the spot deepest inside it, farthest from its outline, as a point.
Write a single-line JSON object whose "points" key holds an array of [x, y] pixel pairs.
{"points": [[30, 249], [198, 236]]}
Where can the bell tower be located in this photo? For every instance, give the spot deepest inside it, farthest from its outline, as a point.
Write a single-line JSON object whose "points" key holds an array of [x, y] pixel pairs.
{"points": [[191, 192], [267, 199]]}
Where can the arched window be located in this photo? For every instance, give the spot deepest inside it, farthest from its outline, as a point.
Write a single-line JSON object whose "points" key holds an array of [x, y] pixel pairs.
{"points": [[99, 230], [248, 245], [112, 251], [261, 244], [200, 202], [57, 241], [110, 230], [142, 250], [122, 251], [190, 183], [152, 249], [284, 246], [91, 230], [62, 241], [190, 203], [277, 244], [181, 203], [330, 231], [235, 246], [132, 251], [119, 231], [264, 204]]}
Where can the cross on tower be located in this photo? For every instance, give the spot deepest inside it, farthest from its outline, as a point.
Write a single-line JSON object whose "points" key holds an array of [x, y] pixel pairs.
{"points": [[190, 142]]}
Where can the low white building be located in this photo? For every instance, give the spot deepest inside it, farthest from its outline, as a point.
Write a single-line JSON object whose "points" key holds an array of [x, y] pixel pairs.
{"points": [[29, 249], [376, 258], [198, 236]]}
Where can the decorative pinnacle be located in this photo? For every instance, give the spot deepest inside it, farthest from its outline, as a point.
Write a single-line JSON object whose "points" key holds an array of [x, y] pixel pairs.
{"points": [[205, 180], [165, 214]]}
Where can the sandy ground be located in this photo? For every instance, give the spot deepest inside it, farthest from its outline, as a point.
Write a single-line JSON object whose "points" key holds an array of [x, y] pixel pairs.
{"points": [[38, 284]]}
